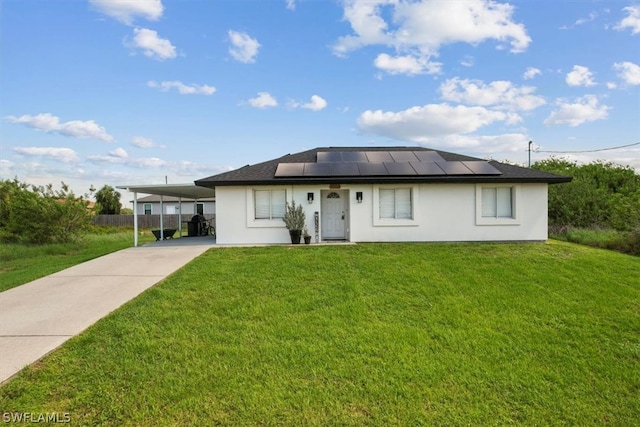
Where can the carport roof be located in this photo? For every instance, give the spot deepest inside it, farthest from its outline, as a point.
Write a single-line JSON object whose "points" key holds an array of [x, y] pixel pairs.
{"points": [[186, 191]]}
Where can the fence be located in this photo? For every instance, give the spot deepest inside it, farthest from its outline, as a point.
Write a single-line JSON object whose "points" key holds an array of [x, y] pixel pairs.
{"points": [[145, 221]]}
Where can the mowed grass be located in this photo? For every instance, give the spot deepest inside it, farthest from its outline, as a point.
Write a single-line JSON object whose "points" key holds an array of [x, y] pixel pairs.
{"points": [[20, 263], [370, 334]]}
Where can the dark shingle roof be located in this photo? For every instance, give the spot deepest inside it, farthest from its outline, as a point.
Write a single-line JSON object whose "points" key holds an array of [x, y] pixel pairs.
{"points": [[264, 173]]}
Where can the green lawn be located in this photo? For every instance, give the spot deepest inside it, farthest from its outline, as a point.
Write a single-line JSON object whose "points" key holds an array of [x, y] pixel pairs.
{"points": [[370, 334], [20, 264]]}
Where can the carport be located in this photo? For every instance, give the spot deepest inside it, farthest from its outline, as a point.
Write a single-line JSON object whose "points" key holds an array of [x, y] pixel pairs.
{"points": [[181, 191]]}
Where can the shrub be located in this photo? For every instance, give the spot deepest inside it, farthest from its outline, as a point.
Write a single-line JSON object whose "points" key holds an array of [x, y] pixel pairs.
{"points": [[37, 214]]}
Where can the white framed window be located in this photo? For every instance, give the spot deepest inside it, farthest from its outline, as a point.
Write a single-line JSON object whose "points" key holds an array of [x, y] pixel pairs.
{"points": [[497, 204], [200, 208], [394, 206], [147, 208], [266, 206]]}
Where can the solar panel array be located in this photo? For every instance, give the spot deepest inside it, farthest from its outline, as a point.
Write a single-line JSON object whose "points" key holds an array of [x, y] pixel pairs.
{"points": [[383, 163]]}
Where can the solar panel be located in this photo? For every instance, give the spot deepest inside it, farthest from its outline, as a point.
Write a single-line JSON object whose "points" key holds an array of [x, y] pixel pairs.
{"points": [[403, 156], [354, 156], [289, 169], [317, 169], [379, 156], [428, 156], [402, 169], [427, 168], [454, 168], [481, 167], [372, 169], [344, 169], [329, 156]]}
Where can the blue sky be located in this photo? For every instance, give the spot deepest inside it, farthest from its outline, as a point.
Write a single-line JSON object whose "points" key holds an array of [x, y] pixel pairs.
{"points": [[122, 92]]}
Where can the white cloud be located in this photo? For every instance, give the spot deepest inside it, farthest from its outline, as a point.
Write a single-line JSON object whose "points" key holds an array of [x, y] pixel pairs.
{"points": [[317, 103], [291, 4], [584, 109], [182, 88], [501, 94], [406, 64], [580, 76], [420, 124], [65, 155], [148, 162], [243, 47], [120, 153], [152, 45], [628, 72], [263, 100], [126, 11], [47, 122], [142, 142], [530, 73], [419, 29], [632, 21]]}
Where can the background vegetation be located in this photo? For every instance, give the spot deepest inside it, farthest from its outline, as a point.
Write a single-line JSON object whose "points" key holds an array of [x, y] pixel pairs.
{"points": [[600, 207]]}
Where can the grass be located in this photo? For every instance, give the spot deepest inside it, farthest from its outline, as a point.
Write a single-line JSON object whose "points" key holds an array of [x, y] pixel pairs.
{"points": [[372, 334], [621, 241], [20, 264]]}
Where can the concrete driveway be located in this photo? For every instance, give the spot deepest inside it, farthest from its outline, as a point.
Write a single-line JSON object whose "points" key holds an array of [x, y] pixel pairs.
{"points": [[39, 316]]}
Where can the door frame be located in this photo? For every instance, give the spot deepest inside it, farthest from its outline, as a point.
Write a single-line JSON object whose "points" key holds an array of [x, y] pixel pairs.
{"points": [[344, 195]]}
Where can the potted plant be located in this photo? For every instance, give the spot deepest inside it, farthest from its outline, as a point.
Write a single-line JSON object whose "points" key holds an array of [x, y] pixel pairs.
{"points": [[294, 219], [306, 236]]}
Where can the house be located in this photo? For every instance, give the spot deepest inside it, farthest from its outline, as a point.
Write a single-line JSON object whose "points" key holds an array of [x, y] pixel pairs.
{"points": [[383, 194], [150, 205]]}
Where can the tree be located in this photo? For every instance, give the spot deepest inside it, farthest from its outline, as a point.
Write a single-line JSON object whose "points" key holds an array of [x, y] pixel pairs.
{"points": [[108, 201]]}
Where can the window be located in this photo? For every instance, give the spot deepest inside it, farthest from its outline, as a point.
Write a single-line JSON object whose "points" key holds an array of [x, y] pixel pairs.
{"points": [[147, 208], [395, 203], [269, 204], [200, 208], [497, 204]]}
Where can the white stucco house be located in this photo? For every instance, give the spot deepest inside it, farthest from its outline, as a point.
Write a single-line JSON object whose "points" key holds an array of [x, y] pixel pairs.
{"points": [[382, 194]]}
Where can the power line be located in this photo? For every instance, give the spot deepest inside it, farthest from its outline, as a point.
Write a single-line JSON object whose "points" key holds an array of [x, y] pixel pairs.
{"points": [[587, 151]]}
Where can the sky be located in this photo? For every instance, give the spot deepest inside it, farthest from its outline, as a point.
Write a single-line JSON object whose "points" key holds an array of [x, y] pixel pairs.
{"points": [[123, 92]]}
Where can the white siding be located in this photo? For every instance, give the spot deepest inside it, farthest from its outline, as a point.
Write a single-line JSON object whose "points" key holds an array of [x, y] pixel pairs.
{"points": [[441, 212]]}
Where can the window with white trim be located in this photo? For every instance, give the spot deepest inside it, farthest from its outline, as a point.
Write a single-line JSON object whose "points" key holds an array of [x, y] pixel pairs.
{"points": [[147, 208], [395, 203], [269, 204], [497, 204]]}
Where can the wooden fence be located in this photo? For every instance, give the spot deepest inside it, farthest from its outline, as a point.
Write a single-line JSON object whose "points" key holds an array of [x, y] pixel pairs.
{"points": [[145, 221]]}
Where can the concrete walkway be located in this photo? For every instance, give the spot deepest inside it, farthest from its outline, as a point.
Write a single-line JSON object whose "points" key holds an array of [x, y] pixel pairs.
{"points": [[39, 316]]}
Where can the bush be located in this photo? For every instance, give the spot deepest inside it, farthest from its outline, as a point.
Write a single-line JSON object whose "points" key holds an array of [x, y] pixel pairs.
{"points": [[36, 214]]}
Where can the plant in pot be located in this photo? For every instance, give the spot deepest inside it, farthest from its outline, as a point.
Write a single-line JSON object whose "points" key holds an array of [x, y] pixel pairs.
{"points": [[306, 236], [294, 219]]}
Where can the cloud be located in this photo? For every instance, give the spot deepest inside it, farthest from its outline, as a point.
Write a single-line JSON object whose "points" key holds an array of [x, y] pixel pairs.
{"points": [[317, 103], [243, 47], [420, 124], [632, 21], [419, 29], [628, 72], [500, 94], [183, 89], [49, 123], [592, 16], [148, 162], [126, 11], [65, 155], [580, 76], [263, 100], [291, 4], [407, 64], [152, 45], [584, 109], [142, 142], [531, 72], [120, 153]]}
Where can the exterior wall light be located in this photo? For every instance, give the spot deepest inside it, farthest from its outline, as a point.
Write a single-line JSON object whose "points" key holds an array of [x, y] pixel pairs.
{"points": [[359, 196], [309, 198]]}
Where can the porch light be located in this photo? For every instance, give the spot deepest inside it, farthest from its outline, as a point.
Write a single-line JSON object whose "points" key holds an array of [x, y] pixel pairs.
{"points": [[359, 196], [309, 198]]}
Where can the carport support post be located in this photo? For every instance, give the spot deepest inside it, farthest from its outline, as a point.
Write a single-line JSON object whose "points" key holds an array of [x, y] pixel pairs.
{"points": [[135, 219], [180, 216], [161, 218]]}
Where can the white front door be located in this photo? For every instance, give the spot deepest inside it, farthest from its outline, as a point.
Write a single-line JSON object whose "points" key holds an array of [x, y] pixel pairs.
{"points": [[333, 214]]}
